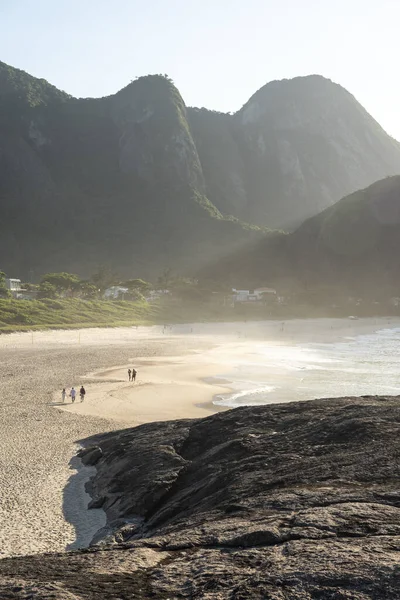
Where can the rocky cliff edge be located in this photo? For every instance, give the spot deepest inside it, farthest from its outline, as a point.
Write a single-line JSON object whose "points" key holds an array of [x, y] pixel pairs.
{"points": [[292, 501]]}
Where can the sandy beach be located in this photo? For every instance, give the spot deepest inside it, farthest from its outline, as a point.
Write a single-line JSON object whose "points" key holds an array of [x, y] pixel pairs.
{"points": [[41, 492], [161, 391], [42, 505], [184, 385]]}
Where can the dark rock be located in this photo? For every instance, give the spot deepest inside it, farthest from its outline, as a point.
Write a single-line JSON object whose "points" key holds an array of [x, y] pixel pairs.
{"points": [[276, 502], [90, 456], [96, 502]]}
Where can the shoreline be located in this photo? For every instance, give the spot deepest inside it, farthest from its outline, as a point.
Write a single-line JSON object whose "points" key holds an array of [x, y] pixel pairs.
{"points": [[198, 385], [37, 330], [75, 503], [165, 389], [336, 329]]}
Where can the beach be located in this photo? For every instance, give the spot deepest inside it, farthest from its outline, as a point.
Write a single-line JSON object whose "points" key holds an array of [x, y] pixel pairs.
{"points": [[42, 506], [40, 489]]}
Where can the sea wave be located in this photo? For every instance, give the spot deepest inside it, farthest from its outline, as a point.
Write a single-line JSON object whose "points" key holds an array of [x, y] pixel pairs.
{"points": [[362, 365], [253, 397]]}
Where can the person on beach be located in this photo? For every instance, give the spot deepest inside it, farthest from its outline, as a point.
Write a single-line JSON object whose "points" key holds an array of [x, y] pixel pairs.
{"points": [[134, 373], [72, 394], [63, 394], [82, 393], [129, 374]]}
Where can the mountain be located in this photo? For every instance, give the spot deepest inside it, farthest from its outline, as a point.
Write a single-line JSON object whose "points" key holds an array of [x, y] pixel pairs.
{"points": [[116, 180], [296, 147], [353, 245], [140, 182]]}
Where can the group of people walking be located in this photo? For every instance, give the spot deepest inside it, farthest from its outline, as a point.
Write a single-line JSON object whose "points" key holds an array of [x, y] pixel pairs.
{"points": [[132, 374], [82, 392], [72, 394]]}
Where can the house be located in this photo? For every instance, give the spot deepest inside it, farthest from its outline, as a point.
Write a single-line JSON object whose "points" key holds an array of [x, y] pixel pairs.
{"points": [[259, 295], [244, 296], [154, 295], [14, 285], [267, 295], [264, 291], [115, 292]]}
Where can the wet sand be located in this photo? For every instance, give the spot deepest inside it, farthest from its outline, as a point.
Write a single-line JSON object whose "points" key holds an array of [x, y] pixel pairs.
{"points": [[165, 388]]}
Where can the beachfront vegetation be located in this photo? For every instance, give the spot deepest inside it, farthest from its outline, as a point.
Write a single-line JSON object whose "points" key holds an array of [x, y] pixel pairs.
{"points": [[69, 313], [4, 293], [64, 284]]}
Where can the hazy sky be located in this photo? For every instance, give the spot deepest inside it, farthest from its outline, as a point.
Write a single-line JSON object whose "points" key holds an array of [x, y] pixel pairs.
{"points": [[218, 52]]}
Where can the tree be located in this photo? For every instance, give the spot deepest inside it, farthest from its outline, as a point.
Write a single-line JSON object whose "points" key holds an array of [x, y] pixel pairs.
{"points": [[47, 290], [104, 277], [4, 292], [62, 282], [87, 289], [135, 296], [166, 279], [137, 285], [190, 290]]}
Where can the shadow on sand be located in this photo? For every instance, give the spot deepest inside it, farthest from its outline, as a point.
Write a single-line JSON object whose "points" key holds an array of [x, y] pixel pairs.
{"points": [[75, 500]]}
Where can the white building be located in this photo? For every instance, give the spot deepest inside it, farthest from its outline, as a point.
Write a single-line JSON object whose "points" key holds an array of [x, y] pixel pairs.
{"points": [[154, 295], [14, 285], [115, 292], [257, 295]]}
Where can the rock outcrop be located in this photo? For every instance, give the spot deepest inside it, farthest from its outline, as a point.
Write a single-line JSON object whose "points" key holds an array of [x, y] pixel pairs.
{"points": [[291, 501]]}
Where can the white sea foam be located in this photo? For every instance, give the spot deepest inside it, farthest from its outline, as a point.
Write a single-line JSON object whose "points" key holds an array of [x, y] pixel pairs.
{"points": [[362, 365], [250, 397]]}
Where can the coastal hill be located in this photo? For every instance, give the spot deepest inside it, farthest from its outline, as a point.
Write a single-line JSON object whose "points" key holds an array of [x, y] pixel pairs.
{"points": [[115, 180], [140, 182], [352, 246], [296, 147], [286, 501]]}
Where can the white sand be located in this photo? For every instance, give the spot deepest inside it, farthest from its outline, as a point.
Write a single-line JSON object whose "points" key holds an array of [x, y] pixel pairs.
{"points": [[165, 388], [42, 497], [41, 506]]}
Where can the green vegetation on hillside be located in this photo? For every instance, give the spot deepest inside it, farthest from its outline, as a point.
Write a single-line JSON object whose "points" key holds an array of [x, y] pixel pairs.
{"points": [[116, 180], [31, 90], [71, 313], [4, 293], [139, 181], [349, 250]]}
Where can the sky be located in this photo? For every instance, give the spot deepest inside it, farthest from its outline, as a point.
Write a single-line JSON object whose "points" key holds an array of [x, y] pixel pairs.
{"points": [[218, 52]]}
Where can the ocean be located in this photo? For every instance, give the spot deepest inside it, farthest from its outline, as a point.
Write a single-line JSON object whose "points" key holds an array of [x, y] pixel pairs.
{"points": [[354, 366]]}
